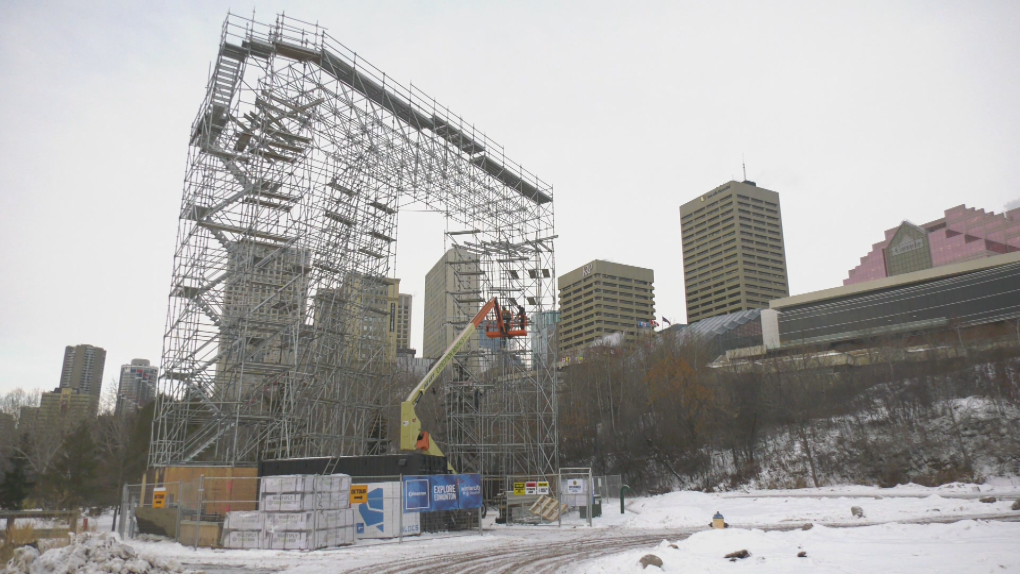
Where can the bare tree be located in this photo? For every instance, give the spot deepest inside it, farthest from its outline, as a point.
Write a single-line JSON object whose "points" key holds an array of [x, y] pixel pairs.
{"points": [[108, 400], [12, 401]]}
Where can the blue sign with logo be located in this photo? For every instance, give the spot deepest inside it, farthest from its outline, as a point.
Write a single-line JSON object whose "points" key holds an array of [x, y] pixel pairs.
{"points": [[416, 494], [444, 491], [469, 487]]}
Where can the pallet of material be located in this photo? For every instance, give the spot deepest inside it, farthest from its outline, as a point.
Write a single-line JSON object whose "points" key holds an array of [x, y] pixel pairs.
{"points": [[548, 508]]}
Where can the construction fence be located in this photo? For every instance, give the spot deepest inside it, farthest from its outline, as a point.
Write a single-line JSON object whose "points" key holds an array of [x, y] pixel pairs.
{"points": [[573, 496], [221, 511]]}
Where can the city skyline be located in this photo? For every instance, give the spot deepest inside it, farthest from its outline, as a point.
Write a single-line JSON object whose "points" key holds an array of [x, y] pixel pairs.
{"points": [[904, 112]]}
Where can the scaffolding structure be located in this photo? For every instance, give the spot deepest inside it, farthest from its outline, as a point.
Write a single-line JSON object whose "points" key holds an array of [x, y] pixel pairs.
{"points": [[301, 156]]}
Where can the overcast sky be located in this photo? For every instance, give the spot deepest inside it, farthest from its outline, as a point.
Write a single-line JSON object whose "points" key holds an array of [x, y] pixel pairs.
{"points": [[859, 114]]}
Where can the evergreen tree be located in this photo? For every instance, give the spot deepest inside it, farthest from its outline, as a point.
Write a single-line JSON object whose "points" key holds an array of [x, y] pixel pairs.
{"points": [[16, 485], [73, 477]]}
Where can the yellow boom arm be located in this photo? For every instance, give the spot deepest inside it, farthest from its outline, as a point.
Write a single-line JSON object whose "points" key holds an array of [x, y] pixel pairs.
{"points": [[410, 427]]}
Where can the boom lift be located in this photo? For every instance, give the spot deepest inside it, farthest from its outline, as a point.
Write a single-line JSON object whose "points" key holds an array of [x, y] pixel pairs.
{"points": [[412, 438]]}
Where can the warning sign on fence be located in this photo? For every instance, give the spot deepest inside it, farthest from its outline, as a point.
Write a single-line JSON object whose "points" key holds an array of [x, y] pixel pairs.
{"points": [[359, 493], [543, 487], [158, 498], [518, 489], [530, 487]]}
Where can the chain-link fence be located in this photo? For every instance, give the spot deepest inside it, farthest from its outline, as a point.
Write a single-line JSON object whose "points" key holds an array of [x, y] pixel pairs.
{"points": [[195, 512], [239, 512], [574, 496]]}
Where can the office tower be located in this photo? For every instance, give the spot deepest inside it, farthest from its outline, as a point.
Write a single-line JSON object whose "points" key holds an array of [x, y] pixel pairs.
{"points": [[137, 386], [601, 298], [962, 234], [264, 291], [83, 371], [733, 251], [452, 298], [403, 322]]}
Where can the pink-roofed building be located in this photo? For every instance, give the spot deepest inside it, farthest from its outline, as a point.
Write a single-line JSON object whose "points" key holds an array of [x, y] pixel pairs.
{"points": [[964, 233]]}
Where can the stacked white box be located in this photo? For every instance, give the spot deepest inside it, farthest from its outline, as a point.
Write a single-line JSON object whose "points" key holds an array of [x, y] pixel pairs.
{"points": [[251, 539], [335, 518], [291, 521], [345, 535], [243, 520], [243, 529], [288, 483], [306, 512], [332, 483], [288, 501]]}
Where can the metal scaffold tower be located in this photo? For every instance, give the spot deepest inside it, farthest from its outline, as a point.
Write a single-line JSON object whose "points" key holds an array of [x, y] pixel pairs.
{"points": [[300, 160]]}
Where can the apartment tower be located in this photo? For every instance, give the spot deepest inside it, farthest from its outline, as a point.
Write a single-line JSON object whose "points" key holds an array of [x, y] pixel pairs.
{"points": [[601, 298], [137, 386], [734, 256], [82, 371]]}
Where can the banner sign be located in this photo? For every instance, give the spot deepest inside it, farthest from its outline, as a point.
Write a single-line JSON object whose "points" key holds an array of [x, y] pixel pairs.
{"points": [[469, 488], [416, 494], [444, 491], [441, 492]]}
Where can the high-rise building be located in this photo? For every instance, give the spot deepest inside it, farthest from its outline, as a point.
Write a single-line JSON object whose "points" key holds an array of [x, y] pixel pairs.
{"points": [[452, 298], [543, 338], [137, 386], [391, 302], [734, 255], [602, 297], [403, 322], [82, 371], [962, 234]]}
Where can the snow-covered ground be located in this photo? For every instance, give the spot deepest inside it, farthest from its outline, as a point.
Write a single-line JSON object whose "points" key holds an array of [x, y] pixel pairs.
{"points": [[966, 546], [830, 505], [766, 523]]}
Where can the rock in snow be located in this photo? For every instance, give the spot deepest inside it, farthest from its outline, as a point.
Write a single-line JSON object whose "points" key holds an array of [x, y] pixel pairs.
{"points": [[650, 560], [857, 511], [987, 499], [89, 554], [1016, 504], [741, 554]]}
